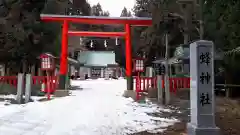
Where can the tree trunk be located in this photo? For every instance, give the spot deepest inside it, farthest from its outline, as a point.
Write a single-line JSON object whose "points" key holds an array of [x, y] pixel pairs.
{"points": [[228, 80], [25, 67], [8, 71], [33, 70]]}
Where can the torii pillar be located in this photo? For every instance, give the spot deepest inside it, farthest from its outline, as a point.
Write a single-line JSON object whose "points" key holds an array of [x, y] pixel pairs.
{"points": [[64, 55], [128, 53]]}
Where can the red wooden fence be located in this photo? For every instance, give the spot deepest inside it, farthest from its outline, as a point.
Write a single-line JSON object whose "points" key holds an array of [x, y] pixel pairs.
{"points": [[176, 83], [142, 84], [43, 80], [12, 80], [146, 82]]}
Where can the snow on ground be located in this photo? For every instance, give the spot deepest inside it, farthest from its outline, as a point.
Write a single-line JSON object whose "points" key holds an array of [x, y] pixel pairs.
{"points": [[98, 108], [11, 96]]}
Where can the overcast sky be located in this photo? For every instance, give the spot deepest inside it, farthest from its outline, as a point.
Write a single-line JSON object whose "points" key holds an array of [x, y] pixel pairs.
{"points": [[114, 6]]}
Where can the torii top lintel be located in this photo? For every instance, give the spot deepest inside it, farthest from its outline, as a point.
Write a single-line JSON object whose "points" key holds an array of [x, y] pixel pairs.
{"points": [[137, 21]]}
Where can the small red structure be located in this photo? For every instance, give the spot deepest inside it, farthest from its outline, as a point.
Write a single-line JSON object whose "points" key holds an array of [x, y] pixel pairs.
{"points": [[138, 67], [48, 65], [47, 62]]}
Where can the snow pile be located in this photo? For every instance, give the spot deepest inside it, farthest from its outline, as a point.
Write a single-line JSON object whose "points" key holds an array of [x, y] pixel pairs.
{"points": [[97, 109]]}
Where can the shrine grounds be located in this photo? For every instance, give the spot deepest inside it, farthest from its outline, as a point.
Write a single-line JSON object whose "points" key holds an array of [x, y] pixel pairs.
{"points": [[227, 112], [94, 107]]}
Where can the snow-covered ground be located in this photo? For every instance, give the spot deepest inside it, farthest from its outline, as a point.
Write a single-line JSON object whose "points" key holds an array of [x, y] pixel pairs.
{"points": [[98, 108]]}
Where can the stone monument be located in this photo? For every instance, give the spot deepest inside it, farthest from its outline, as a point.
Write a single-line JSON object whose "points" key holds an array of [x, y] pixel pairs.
{"points": [[202, 89]]}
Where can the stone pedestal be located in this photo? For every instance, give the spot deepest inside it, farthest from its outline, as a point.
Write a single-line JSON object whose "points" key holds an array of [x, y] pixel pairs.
{"points": [[194, 130], [62, 82], [61, 93], [129, 82], [152, 93], [130, 94]]}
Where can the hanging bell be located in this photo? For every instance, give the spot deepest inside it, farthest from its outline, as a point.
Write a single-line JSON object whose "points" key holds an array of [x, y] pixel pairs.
{"points": [[91, 44], [105, 43], [116, 41]]}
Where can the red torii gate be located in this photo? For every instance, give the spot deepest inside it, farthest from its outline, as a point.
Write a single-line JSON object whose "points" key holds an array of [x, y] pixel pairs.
{"points": [[127, 21]]}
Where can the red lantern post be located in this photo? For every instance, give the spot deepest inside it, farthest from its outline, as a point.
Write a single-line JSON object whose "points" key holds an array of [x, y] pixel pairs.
{"points": [[138, 67], [48, 65]]}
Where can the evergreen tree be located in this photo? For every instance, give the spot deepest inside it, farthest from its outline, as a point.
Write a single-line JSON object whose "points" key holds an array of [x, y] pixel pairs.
{"points": [[125, 13], [151, 38], [222, 25], [24, 36], [142, 8], [97, 10], [21, 32], [98, 43], [120, 57]]}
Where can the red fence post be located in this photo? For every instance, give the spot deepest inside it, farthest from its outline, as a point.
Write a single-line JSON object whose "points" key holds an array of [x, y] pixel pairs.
{"points": [[144, 81], [48, 87], [188, 82], [15, 82], [147, 83], [138, 87], [185, 83], [54, 82], [175, 85]]}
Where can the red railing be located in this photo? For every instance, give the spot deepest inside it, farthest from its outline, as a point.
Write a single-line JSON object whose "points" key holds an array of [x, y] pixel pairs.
{"points": [[176, 83], [43, 80], [142, 84], [145, 83], [12, 80]]}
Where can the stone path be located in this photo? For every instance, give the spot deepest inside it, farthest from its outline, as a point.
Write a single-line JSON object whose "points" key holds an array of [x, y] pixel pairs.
{"points": [[15, 124], [97, 109]]}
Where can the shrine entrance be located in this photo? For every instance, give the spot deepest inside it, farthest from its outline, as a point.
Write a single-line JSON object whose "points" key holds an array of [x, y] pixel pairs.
{"points": [[126, 21], [96, 72]]}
